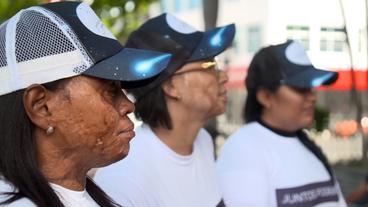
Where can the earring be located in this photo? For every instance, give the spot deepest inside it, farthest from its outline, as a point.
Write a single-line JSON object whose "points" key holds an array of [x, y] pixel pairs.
{"points": [[50, 130]]}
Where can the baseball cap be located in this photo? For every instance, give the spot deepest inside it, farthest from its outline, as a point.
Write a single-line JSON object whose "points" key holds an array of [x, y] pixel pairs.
{"points": [[166, 33], [53, 41], [285, 64]]}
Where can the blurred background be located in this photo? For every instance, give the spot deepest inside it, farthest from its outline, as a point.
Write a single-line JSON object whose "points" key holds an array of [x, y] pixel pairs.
{"points": [[333, 32]]}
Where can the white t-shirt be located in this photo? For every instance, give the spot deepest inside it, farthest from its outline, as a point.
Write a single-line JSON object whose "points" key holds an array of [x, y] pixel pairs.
{"points": [[260, 168], [153, 175], [71, 198], [68, 197]]}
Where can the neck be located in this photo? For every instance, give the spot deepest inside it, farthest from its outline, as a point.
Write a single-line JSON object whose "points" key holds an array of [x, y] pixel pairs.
{"points": [[277, 124], [277, 131], [61, 167], [185, 128]]}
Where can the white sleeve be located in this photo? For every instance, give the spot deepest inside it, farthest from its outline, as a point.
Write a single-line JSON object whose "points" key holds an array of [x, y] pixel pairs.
{"points": [[243, 175]]}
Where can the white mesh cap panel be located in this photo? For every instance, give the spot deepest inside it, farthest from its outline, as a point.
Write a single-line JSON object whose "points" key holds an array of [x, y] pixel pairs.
{"points": [[36, 37], [72, 37], [3, 62], [4, 71], [46, 49]]}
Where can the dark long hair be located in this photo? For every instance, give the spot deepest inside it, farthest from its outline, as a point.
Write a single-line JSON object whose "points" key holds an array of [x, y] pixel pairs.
{"points": [[18, 163], [252, 112], [152, 109]]}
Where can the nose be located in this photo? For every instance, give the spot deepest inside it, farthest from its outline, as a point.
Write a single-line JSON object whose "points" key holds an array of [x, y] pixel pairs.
{"points": [[125, 107], [222, 76], [311, 96]]}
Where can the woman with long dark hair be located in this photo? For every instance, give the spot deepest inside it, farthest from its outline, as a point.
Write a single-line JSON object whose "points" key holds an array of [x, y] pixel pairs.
{"points": [[62, 108], [171, 163], [271, 161]]}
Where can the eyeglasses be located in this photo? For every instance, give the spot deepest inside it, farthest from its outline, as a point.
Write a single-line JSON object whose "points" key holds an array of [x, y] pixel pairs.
{"points": [[206, 66]]}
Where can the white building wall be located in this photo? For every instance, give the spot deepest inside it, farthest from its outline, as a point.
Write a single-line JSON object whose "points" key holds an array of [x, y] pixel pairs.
{"points": [[317, 14], [192, 16], [244, 13], [273, 17]]}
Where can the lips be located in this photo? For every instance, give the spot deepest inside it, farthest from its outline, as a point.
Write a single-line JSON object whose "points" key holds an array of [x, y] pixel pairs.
{"points": [[223, 94], [126, 131], [127, 134], [309, 110]]}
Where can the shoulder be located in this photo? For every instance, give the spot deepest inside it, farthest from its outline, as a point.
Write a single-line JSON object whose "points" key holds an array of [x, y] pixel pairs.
{"points": [[124, 188], [248, 146], [247, 137], [242, 167], [6, 187], [248, 131]]}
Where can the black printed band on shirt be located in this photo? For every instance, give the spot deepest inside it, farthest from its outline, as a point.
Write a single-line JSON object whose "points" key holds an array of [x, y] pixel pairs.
{"points": [[307, 195]]}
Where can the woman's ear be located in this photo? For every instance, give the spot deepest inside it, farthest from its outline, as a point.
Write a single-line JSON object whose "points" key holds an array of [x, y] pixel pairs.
{"points": [[35, 104], [170, 89], [264, 98]]}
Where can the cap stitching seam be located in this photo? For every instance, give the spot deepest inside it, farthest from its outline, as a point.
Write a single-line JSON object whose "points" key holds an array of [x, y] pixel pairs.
{"points": [[67, 31], [10, 51]]}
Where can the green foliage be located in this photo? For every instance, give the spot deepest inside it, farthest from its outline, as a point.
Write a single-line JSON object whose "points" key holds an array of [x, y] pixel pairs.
{"points": [[120, 16], [321, 118], [10, 7]]}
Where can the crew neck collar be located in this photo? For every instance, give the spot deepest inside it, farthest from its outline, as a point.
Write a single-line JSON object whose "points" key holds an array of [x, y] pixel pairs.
{"points": [[278, 131]]}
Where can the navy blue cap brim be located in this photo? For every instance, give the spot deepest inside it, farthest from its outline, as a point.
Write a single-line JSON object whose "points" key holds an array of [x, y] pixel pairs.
{"points": [[213, 43], [310, 78], [130, 65]]}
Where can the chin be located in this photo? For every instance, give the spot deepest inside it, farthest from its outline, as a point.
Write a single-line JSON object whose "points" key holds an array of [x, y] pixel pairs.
{"points": [[308, 123], [112, 161], [221, 109], [216, 113], [121, 155], [119, 158], [220, 112], [115, 158]]}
